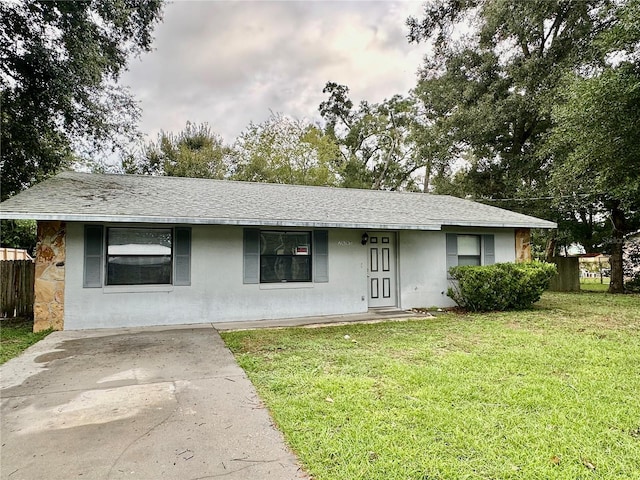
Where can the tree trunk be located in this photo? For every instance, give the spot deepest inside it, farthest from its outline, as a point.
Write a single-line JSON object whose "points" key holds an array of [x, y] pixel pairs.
{"points": [[550, 249], [617, 244]]}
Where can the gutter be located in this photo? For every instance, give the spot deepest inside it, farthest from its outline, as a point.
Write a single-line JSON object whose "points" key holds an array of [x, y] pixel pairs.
{"points": [[436, 226]]}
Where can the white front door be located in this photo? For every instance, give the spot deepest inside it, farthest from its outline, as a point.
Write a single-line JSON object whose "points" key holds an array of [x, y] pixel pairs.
{"points": [[382, 269]]}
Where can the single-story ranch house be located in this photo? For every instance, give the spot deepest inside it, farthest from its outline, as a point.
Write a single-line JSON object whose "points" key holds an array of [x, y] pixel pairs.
{"points": [[125, 250]]}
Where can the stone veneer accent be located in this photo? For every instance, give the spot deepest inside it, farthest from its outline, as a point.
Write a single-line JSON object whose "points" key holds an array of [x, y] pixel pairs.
{"points": [[523, 245], [48, 309]]}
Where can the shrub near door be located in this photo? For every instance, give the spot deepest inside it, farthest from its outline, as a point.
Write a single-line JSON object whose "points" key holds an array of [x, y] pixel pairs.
{"points": [[503, 286]]}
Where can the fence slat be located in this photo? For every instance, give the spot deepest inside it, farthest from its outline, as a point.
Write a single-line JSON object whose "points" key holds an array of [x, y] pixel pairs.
{"points": [[16, 288]]}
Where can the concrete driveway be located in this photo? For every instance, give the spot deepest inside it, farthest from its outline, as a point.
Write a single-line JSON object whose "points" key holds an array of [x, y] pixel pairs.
{"points": [[153, 403]]}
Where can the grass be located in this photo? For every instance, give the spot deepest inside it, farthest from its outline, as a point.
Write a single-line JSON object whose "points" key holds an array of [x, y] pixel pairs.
{"points": [[16, 335], [550, 393], [594, 285]]}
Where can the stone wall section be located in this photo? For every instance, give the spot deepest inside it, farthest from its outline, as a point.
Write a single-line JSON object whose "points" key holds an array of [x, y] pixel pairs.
{"points": [[523, 245], [48, 309]]}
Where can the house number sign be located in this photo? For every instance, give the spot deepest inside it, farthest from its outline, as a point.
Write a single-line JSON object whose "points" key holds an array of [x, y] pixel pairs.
{"points": [[344, 243]]}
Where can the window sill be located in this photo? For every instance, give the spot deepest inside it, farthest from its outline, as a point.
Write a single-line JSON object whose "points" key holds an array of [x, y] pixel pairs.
{"points": [[285, 285], [137, 288]]}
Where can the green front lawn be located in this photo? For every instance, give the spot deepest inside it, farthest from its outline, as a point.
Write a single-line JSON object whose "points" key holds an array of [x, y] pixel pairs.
{"points": [[16, 335], [594, 285], [548, 393]]}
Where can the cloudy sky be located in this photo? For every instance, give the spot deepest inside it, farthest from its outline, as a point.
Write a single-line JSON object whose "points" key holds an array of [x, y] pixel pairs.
{"points": [[231, 62]]}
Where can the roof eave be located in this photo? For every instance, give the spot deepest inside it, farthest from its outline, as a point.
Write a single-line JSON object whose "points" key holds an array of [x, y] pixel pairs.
{"points": [[67, 217], [508, 224]]}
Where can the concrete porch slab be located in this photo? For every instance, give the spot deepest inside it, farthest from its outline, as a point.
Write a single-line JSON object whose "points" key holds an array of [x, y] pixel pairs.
{"points": [[372, 316]]}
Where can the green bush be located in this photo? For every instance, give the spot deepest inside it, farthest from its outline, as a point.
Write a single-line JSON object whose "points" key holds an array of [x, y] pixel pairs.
{"points": [[503, 286]]}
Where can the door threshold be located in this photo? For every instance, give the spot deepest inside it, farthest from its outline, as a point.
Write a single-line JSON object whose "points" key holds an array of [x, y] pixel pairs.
{"points": [[387, 311]]}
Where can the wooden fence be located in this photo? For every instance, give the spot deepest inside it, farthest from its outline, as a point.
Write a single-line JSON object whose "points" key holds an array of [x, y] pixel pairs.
{"points": [[568, 277], [16, 288]]}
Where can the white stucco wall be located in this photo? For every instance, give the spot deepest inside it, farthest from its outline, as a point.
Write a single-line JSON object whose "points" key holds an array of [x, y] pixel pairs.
{"points": [[216, 292], [422, 264]]}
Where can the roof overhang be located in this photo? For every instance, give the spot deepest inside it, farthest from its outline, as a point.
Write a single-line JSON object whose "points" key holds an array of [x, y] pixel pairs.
{"points": [[544, 224], [72, 217]]}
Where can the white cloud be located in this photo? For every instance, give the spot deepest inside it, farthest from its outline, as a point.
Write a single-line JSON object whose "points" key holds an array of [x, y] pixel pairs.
{"points": [[229, 63]]}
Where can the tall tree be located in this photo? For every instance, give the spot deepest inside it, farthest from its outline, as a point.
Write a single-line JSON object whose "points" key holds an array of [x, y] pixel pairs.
{"points": [[488, 94], [375, 140], [597, 141], [195, 152], [59, 66], [284, 150]]}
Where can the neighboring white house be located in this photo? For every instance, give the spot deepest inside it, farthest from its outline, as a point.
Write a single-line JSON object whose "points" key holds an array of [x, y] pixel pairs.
{"points": [[594, 265], [122, 250]]}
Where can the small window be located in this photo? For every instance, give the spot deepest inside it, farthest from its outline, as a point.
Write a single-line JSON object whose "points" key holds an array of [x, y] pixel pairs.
{"points": [[285, 257], [139, 256], [469, 250]]}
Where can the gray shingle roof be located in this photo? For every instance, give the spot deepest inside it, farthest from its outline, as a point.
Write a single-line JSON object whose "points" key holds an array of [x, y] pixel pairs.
{"points": [[73, 196]]}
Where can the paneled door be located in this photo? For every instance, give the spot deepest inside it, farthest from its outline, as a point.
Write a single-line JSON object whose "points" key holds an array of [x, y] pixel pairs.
{"points": [[381, 270]]}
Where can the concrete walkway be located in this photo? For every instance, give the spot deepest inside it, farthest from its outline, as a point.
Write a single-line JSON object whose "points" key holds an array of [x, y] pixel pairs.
{"points": [[152, 403], [374, 315]]}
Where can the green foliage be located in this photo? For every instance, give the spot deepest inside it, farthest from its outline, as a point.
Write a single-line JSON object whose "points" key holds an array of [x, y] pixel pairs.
{"points": [[595, 144], [596, 139], [58, 76], [623, 35], [503, 286], [489, 94], [376, 145], [284, 150], [19, 234], [195, 152], [495, 96], [597, 148], [488, 98], [280, 150]]}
